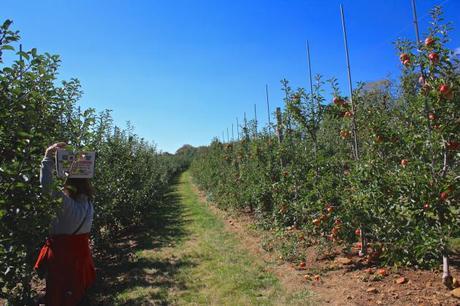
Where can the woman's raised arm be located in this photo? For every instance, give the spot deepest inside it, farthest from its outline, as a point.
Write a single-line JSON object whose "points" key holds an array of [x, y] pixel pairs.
{"points": [[46, 168]]}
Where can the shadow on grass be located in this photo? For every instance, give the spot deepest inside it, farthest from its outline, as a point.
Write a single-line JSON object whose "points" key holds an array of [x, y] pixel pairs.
{"points": [[144, 280]]}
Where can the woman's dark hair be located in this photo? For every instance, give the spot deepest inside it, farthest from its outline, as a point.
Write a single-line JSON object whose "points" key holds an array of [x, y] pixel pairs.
{"points": [[78, 186]]}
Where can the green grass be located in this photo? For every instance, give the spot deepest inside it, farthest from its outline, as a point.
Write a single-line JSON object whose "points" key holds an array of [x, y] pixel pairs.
{"points": [[454, 245], [187, 257]]}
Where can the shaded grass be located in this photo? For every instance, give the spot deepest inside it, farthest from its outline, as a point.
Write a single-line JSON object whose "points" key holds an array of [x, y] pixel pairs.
{"points": [[185, 256]]}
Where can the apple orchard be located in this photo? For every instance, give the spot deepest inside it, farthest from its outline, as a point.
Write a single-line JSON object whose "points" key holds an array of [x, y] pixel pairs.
{"points": [[379, 175]]}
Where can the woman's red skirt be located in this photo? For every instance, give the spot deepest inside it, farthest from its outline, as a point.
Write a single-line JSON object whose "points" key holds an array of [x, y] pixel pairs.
{"points": [[70, 268]]}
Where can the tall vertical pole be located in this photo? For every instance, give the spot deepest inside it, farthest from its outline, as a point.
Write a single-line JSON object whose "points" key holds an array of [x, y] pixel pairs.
{"points": [[228, 136], [279, 130], [233, 137], [350, 85], [414, 14], [422, 71], [245, 128], [255, 118], [363, 250], [446, 276], [20, 60], [309, 71], [237, 128], [268, 107], [314, 114]]}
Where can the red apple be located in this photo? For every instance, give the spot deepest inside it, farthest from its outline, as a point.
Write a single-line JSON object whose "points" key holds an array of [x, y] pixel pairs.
{"points": [[404, 162], [443, 196], [406, 62], [344, 134], [446, 91], [429, 41], [444, 88], [358, 232], [426, 206], [404, 57], [453, 145], [379, 139], [434, 57], [382, 272], [431, 116], [337, 101], [348, 114]]}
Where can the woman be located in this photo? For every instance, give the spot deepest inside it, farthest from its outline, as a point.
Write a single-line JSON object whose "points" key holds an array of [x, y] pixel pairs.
{"points": [[66, 256]]}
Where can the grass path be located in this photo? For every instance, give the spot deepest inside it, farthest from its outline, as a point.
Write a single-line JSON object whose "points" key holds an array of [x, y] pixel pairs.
{"points": [[185, 256]]}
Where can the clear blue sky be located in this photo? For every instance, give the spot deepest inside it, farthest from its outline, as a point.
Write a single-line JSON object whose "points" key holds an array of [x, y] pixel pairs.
{"points": [[182, 70]]}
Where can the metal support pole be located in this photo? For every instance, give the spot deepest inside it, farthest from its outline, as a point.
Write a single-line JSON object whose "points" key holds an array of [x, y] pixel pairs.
{"points": [[363, 250], [350, 85], [446, 276], [279, 128], [268, 107], [415, 19], [237, 129], [255, 119], [309, 71]]}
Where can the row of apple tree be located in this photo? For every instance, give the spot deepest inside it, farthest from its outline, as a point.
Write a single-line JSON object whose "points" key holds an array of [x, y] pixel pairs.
{"points": [[383, 174], [36, 110]]}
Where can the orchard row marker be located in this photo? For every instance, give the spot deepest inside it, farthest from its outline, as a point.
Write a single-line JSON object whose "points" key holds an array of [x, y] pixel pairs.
{"points": [[268, 107], [255, 119], [363, 250], [237, 128]]}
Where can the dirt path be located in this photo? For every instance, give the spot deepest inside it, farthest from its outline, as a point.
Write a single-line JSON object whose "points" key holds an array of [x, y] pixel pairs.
{"points": [[185, 255]]}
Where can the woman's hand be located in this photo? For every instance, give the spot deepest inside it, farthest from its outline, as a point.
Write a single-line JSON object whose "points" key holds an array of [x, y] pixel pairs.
{"points": [[52, 149]]}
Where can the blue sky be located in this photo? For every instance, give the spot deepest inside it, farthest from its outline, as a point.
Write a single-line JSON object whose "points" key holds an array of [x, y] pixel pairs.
{"points": [[182, 71]]}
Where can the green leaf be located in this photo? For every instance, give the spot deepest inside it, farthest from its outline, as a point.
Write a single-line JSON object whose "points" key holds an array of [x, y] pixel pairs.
{"points": [[7, 47]]}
